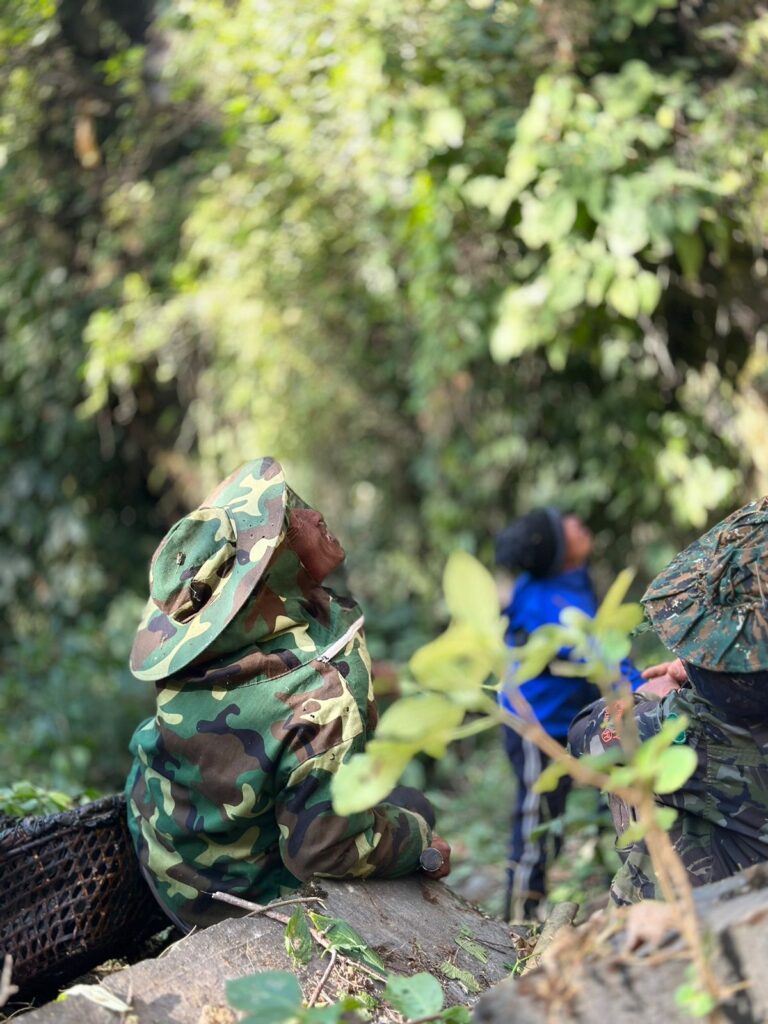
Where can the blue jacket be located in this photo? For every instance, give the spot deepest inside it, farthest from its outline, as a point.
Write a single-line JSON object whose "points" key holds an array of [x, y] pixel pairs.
{"points": [[556, 700]]}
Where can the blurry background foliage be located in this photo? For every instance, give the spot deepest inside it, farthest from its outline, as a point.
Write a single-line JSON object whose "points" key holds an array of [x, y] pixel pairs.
{"points": [[443, 258]]}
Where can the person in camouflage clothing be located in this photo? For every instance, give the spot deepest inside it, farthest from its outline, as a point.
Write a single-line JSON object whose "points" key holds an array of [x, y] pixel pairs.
{"points": [[263, 690], [710, 608]]}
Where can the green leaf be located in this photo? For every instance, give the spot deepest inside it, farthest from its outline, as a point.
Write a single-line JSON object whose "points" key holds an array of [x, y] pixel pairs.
{"points": [[342, 936], [549, 778], [648, 291], [457, 1015], [666, 817], [272, 996], [614, 598], [575, 618], [365, 779], [694, 1000], [675, 766], [460, 662], [465, 978], [624, 296], [546, 220], [298, 940], [428, 719], [470, 591], [466, 940], [690, 251], [614, 645], [419, 995], [633, 834]]}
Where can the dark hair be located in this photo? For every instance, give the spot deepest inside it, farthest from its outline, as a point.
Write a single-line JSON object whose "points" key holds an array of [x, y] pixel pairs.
{"points": [[533, 543]]}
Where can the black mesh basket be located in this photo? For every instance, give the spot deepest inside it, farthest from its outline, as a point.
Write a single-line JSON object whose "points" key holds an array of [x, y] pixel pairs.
{"points": [[71, 895]]}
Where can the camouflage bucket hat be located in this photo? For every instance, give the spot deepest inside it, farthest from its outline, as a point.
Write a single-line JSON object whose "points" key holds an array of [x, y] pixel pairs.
{"points": [[710, 605], [206, 567]]}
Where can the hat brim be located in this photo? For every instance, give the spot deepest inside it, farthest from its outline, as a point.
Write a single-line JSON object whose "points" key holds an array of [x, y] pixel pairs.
{"points": [[254, 497]]}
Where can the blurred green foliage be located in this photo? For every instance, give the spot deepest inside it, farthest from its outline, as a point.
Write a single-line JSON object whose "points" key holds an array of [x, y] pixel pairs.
{"points": [[444, 258]]}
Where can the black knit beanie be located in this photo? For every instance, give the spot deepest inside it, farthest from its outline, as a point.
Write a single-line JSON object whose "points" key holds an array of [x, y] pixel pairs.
{"points": [[533, 543]]}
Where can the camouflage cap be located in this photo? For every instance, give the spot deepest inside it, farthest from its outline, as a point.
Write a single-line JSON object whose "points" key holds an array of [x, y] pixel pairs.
{"points": [[710, 605], [207, 565]]}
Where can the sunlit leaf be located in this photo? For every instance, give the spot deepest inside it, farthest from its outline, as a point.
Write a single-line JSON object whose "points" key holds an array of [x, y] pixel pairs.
{"points": [[633, 834], [470, 591], [367, 778], [428, 719], [419, 995], [674, 767], [550, 777]]}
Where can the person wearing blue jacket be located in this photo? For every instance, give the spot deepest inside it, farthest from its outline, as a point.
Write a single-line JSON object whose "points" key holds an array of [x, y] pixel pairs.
{"points": [[550, 551]]}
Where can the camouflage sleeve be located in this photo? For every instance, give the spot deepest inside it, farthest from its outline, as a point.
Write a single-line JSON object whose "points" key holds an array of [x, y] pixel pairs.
{"points": [[385, 842], [592, 732]]}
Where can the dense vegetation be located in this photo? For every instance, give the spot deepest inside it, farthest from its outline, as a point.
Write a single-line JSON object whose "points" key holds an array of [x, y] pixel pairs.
{"points": [[442, 258]]}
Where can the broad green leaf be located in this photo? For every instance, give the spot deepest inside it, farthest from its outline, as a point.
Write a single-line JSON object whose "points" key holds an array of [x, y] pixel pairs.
{"points": [[623, 619], [648, 291], [365, 779], [576, 619], [546, 220], [666, 817], [419, 995], [460, 662], [614, 645], [272, 996], [675, 766], [429, 720], [549, 778], [342, 937], [646, 757], [470, 591], [624, 296], [457, 1015], [298, 940], [614, 599]]}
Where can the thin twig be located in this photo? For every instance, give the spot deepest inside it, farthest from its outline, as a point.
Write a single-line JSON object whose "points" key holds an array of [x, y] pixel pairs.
{"points": [[294, 899], [326, 974], [6, 988]]}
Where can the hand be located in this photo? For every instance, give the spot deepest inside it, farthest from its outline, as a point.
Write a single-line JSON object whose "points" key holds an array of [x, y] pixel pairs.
{"points": [[439, 844], [663, 678]]}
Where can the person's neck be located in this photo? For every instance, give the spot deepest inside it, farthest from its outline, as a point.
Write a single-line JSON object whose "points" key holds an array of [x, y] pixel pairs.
{"points": [[570, 564]]}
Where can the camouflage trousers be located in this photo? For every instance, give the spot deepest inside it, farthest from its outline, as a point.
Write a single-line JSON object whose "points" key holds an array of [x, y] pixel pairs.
{"points": [[722, 810]]}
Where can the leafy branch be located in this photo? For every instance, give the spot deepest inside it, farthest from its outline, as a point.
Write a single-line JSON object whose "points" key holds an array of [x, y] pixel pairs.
{"points": [[455, 674]]}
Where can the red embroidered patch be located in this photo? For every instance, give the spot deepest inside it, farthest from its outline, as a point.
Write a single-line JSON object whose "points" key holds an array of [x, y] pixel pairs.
{"points": [[608, 734]]}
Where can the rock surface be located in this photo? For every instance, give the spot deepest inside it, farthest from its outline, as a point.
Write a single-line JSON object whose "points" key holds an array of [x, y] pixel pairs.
{"points": [[593, 975], [413, 924]]}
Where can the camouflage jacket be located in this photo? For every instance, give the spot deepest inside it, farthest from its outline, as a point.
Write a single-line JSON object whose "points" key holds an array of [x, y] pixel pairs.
{"points": [[722, 824], [230, 784]]}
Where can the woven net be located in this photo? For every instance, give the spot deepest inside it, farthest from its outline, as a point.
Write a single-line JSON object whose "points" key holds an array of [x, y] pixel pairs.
{"points": [[71, 895]]}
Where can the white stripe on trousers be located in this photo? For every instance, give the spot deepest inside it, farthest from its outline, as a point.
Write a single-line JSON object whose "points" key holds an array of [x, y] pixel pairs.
{"points": [[531, 807]]}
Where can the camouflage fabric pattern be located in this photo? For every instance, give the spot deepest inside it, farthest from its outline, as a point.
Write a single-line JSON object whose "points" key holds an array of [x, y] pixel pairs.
{"points": [[230, 785], [207, 566], [722, 823], [710, 605]]}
